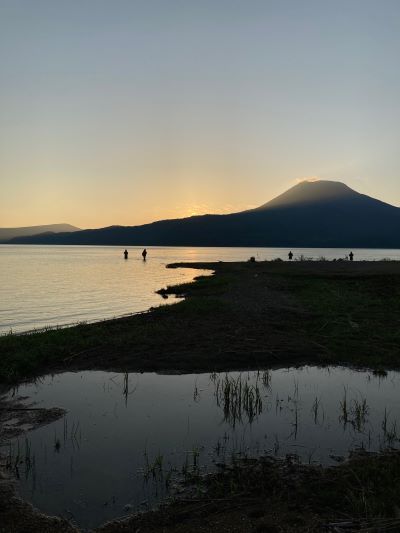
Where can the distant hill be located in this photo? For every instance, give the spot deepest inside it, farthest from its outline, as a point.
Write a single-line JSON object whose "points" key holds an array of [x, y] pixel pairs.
{"points": [[310, 214], [10, 233]]}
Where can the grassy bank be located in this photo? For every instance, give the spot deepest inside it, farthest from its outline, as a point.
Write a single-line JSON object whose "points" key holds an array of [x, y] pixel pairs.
{"points": [[356, 319], [247, 315]]}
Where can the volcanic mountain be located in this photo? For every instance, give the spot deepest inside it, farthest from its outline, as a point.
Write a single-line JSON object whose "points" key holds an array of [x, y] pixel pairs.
{"points": [[310, 214]]}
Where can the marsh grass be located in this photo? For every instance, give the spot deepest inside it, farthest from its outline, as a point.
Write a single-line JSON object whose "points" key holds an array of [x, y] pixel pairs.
{"points": [[315, 409], [344, 409], [359, 412], [354, 412], [20, 460], [390, 434], [364, 490], [237, 398], [160, 473], [266, 379], [154, 469]]}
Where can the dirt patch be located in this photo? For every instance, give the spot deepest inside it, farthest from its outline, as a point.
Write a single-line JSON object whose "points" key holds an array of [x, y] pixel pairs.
{"points": [[17, 516]]}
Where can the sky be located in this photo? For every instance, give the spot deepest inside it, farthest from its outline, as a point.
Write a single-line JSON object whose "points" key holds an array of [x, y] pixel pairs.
{"points": [[129, 111]]}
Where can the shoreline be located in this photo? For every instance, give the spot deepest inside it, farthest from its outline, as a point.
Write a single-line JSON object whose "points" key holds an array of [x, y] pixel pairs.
{"points": [[56, 327], [244, 316]]}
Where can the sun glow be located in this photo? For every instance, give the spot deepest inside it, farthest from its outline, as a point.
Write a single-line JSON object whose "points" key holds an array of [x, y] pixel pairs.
{"points": [[308, 178]]}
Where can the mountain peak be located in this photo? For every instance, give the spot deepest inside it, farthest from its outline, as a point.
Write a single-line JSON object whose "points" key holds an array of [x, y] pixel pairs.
{"points": [[310, 192]]}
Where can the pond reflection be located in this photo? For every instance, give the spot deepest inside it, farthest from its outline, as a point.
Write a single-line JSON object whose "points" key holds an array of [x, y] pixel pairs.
{"points": [[129, 440]]}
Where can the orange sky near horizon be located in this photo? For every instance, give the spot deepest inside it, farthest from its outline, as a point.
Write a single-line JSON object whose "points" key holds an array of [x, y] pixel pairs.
{"points": [[128, 112]]}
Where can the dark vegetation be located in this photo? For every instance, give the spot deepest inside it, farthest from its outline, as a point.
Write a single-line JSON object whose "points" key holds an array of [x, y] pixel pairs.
{"points": [[267, 495], [356, 318]]}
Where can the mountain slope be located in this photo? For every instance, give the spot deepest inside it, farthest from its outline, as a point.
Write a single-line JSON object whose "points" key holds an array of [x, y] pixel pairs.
{"points": [[9, 233], [315, 214], [309, 193]]}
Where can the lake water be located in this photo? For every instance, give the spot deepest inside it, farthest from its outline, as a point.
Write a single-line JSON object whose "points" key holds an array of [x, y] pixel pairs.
{"points": [[127, 438], [58, 285]]}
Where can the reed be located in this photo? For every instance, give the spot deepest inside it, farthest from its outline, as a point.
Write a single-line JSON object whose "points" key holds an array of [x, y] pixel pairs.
{"points": [[315, 409], [359, 412], [344, 409], [237, 398]]}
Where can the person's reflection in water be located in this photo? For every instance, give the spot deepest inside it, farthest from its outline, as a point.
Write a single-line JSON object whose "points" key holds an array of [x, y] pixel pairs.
{"points": [[144, 254]]}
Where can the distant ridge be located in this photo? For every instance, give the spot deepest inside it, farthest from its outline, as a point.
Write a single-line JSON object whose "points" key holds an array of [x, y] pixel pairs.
{"points": [[310, 214], [9, 233]]}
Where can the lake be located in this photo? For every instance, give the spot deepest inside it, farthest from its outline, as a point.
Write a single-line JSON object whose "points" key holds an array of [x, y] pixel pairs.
{"points": [[58, 285], [127, 440]]}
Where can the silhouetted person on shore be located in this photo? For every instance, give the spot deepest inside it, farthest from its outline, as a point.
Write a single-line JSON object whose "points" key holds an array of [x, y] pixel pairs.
{"points": [[290, 255], [126, 254], [144, 253], [351, 255]]}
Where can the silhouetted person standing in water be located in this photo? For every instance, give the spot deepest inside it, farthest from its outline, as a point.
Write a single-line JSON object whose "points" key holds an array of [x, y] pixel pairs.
{"points": [[351, 255], [126, 254], [144, 253], [290, 255]]}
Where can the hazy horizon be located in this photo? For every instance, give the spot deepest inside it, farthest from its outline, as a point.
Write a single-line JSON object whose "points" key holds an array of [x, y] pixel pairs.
{"points": [[300, 199], [135, 111]]}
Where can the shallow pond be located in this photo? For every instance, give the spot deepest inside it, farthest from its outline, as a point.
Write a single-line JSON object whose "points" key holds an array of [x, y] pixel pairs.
{"points": [[127, 438]]}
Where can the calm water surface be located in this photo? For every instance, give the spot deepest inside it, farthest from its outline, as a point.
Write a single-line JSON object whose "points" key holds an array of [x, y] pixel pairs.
{"points": [[126, 438], [57, 285]]}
